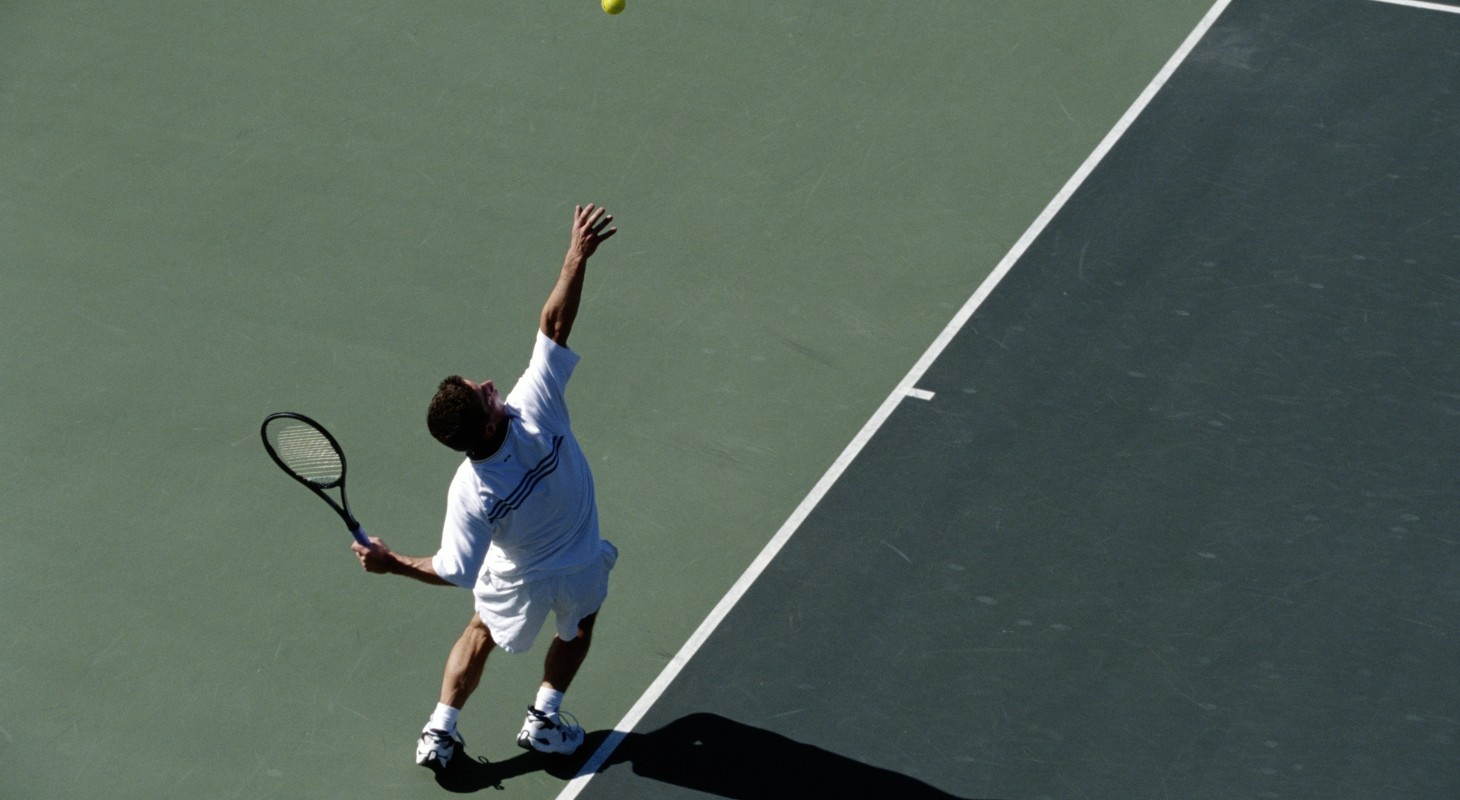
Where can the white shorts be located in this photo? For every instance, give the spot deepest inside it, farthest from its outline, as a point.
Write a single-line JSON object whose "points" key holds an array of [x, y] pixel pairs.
{"points": [[515, 614]]}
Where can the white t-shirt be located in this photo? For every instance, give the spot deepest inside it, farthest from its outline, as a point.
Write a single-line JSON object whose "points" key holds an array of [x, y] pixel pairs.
{"points": [[528, 510]]}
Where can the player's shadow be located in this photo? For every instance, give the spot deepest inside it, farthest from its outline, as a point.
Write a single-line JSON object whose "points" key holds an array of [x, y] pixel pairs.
{"points": [[715, 755]]}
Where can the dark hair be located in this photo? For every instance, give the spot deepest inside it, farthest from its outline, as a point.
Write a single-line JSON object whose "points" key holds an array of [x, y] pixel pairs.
{"points": [[457, 415]]}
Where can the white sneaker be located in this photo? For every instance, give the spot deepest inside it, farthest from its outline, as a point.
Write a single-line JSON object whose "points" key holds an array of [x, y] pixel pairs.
{"points": [[436, 748], [549, 734]]}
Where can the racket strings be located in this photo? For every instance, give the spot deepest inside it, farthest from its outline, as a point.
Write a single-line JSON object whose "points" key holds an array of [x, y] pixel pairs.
{"points": [[307, 453]]}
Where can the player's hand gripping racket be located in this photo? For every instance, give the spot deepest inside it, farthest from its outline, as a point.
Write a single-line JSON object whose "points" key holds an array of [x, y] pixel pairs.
{"points": [[310, 455]]}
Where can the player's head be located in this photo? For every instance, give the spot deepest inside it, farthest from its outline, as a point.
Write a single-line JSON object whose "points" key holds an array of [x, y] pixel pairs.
{"points": [[464, 415]]}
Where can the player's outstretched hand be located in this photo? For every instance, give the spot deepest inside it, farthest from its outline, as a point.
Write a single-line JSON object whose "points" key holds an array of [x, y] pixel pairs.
{"points": [[375, 558], [590, 229]]}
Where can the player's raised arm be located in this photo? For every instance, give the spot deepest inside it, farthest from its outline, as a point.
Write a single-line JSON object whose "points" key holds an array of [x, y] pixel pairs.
{"points": [[590, 229]]}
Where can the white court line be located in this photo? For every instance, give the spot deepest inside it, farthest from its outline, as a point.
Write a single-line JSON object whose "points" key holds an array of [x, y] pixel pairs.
{"points": [[921, 394], [904, 388], [1423, 5]]}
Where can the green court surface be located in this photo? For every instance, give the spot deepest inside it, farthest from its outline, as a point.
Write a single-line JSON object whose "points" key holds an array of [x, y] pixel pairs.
{"points": [[211, 211]]}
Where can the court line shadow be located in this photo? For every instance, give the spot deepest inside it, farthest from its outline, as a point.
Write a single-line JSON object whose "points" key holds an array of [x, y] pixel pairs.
{"points": [[712, 754]]}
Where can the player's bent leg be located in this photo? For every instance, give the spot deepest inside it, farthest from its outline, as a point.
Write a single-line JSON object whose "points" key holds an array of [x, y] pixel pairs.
{"points": [[440, 742], [465, 664]]}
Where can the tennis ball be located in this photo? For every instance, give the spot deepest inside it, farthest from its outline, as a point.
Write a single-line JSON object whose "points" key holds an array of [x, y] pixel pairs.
{"points": [[613, 6]]}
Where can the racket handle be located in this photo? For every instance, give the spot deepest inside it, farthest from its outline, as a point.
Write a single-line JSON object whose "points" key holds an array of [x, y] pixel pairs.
{"points": [[359, 534]]}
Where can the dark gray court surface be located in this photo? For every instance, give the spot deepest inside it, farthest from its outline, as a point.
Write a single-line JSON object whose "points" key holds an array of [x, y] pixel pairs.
{"points": [[1181, 518]]}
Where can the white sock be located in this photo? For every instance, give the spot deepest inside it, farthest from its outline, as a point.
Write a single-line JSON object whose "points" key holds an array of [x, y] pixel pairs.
{"points": [[548, 700], [443, 718]]}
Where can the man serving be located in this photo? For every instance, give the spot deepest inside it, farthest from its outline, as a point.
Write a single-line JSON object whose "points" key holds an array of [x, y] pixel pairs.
{"points": [[521, 527]]}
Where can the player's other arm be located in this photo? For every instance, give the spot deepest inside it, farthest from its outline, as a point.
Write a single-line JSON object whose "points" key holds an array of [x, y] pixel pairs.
{"points": [[381, 559], [590, 229]]}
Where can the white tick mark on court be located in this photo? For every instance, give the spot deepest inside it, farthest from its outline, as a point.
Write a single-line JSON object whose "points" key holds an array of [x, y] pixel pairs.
{"points": [[921, 394], [1061, 104], [899, 552]]}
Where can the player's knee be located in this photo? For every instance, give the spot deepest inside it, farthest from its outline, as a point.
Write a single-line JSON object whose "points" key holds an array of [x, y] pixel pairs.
{"points": [[478, 632]]}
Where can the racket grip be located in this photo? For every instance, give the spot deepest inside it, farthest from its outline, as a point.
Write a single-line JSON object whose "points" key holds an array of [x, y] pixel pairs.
{"points": [[359, 534]]}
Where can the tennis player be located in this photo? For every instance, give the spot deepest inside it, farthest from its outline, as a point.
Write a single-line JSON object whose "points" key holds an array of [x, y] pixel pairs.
{"points": [[521, 528]]}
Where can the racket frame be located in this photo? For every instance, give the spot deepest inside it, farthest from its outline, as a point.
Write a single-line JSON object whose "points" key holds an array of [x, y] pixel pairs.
{"points": [[343, 507]]}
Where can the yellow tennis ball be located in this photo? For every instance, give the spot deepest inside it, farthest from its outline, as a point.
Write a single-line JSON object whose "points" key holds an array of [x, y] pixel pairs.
{"points": [[613, 6]]}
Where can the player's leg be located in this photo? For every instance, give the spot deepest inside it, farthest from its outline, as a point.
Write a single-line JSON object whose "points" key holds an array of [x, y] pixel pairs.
{"points": [[439, 741], [465, 664], [545, 730], [577, 598], [564, 658]]}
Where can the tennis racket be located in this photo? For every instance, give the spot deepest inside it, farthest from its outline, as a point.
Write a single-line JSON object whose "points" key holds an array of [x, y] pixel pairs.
{"points": [[309, 454]]}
